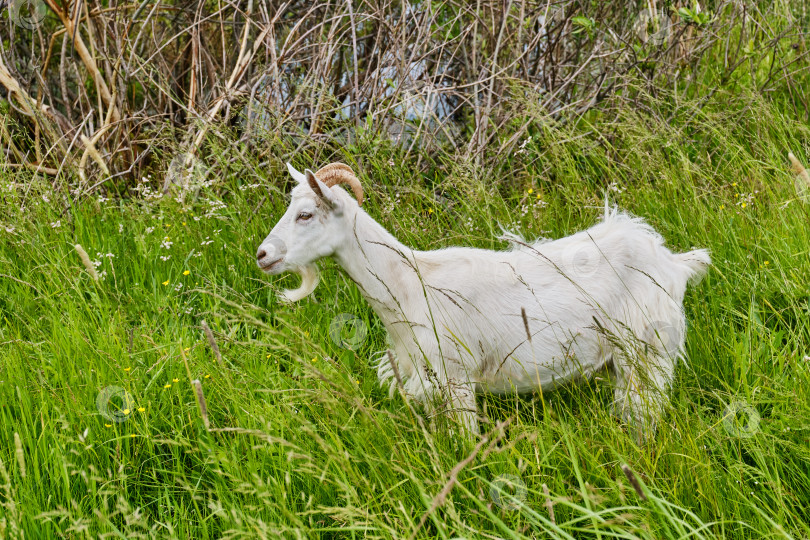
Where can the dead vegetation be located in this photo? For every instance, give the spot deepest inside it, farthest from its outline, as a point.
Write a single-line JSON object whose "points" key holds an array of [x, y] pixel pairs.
{"points": [[112, 91]]}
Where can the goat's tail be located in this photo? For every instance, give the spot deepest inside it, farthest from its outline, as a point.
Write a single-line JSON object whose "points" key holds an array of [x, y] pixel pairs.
{"points": [[697, 261]]}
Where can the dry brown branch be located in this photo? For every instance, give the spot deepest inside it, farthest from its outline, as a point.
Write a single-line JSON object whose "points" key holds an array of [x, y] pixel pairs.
{"points": [[243, 60], [477, 77], [87, 58], [43, 116]]}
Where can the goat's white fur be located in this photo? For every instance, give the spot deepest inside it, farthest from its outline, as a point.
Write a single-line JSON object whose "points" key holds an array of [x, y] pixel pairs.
{"points": [[610, 296]]}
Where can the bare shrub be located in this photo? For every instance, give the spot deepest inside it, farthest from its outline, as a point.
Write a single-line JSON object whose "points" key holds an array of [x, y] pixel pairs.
{"points": [[108, 90]]}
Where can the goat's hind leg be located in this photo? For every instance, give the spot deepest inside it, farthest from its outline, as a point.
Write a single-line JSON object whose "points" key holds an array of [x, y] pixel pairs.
{"points": [[640, 398], [644, 372]]}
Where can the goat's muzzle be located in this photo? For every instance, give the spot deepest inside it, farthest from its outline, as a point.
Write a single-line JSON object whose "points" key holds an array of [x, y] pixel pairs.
{"points": [[269, 266], [270, 255]]}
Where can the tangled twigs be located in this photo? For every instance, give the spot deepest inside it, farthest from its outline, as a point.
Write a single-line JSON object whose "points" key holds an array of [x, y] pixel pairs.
{"points": [[242, 62], [87, 58], [44, 116], [478, 77]]}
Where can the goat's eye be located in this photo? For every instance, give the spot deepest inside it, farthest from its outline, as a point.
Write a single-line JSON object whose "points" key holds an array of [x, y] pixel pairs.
{"points": [[304, 216]]}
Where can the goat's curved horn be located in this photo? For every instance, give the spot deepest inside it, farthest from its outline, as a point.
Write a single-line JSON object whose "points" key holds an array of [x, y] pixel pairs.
{"points": [[339, 173]]}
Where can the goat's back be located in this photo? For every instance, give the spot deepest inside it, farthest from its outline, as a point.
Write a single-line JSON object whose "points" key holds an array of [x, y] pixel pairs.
{"points": [[616, 277]]}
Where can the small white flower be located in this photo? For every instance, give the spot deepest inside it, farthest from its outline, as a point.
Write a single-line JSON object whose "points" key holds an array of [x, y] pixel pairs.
{"points": [[56, 224]]}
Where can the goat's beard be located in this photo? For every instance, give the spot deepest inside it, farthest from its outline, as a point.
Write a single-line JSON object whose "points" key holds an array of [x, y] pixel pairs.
{"points": [[309, 280]]}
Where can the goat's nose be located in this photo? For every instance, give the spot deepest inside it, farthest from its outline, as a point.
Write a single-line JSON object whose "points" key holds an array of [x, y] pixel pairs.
{"points": [[261, 254]]}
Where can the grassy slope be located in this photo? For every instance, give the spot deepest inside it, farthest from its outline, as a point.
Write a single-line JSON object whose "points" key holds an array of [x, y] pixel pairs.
{"points": [[318, 446]]}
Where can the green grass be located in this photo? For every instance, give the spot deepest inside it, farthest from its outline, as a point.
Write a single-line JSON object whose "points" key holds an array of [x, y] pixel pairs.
{"points": [[305, 444]]}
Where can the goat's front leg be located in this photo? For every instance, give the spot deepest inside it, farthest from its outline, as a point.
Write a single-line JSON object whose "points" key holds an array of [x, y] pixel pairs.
{"points": [[463, 407], [387, 370], [438, 392], [456, 396]]}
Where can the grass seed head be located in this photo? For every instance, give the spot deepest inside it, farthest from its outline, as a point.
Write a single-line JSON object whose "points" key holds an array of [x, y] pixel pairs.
{"points": [[88, 265]]}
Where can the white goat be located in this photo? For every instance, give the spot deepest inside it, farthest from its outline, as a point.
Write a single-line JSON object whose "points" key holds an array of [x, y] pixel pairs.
{"points": [[464, 320]]}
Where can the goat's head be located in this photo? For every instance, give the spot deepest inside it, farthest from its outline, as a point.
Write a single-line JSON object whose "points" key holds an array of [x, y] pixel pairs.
{"points": [[313, 226]]}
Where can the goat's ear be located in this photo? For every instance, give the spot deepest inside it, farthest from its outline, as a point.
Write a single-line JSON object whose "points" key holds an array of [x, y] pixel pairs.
{"points": [[297, 175], [322, 191]]}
